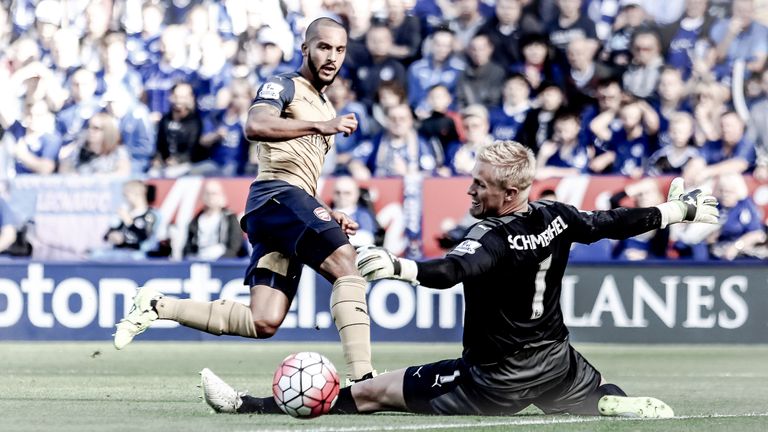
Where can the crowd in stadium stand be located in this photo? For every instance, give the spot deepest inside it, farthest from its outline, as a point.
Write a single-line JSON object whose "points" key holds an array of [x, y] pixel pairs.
{"points": [[162, 88]]}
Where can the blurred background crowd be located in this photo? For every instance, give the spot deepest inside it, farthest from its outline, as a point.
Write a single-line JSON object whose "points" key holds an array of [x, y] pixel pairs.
{"points": [[638, 88]]}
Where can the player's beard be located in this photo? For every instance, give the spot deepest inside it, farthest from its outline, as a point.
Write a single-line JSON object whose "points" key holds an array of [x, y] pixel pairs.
{"points": [[315, 71]]}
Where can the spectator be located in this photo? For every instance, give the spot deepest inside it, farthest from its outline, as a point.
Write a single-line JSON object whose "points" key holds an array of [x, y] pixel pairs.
{"points": [[537, 66], [709, 100], [65, 55], [563, 155], [117, 74], [379, 66], [569, 25], [651, 244], [99, 151], [223, 133], [538, 125], [396, 152], [406, 30], [443, 125], [739, 37], [466, 22], [343, 99], [609, 98], [144, 47], [8, 231], [461, 156], [272, 44], [507, 29], [733, 153], [437, 67], [212, 76], [642, 76], [678, 149], [507, 119], [686, 39], [628, 148], [388, 95], [214, 232], [584, 73], [178, 134], [48, 19], [83, 104], [347, 199], [631, 17], [481, 79], [137, 133], [161, 77], [741, 221], [96, 27], [758, 130], [134, 231], [663, 12], [36, 147], [672, 99]]}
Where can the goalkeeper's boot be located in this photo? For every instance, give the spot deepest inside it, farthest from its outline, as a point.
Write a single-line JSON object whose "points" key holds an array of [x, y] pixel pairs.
{"points": [[638, 407], [139, 318], [219, 395], [365, 377]]}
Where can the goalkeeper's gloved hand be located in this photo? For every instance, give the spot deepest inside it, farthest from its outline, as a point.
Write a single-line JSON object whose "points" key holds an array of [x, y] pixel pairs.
{"points": [[693, 206], [376, 263]]}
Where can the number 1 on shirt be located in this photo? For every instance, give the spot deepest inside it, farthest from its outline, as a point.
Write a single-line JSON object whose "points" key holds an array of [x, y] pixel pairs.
{"points": [[541, 286]]}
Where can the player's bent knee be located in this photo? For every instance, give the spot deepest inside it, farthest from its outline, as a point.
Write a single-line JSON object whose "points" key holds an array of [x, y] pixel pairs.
{"points": [[341, 262], [265, 329]]}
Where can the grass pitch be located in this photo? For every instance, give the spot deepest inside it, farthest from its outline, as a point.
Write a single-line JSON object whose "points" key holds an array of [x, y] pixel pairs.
{"points": [[151, 386]]}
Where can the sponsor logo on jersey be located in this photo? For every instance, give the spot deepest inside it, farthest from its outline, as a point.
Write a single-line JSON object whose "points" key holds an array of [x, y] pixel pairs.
{"points": [[270, 90], [467, 247], [322, 214], [535, 241]]}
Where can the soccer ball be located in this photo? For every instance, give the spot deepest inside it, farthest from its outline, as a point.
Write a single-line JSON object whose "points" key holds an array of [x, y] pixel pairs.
{"points": [[305, 385]]}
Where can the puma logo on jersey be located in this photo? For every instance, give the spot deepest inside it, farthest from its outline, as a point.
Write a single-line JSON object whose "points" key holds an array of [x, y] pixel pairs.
{"points": [[417, 374], [535, 241]]}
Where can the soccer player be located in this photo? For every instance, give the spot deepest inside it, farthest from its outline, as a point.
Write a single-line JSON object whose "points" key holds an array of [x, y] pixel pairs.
{"points": [[287, 226], [516, 346]]}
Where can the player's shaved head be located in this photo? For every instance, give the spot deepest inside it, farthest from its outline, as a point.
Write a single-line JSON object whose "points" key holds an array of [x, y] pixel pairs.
{"points": [[315, 25]]}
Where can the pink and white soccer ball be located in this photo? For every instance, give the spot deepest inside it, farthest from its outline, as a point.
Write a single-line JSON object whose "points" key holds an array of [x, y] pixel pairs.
{"points": [[306, 385]]}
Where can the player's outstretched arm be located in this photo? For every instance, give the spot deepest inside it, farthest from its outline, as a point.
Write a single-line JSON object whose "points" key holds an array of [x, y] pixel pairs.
{"points": [[265, 124], [376, 263], [694, 206]]}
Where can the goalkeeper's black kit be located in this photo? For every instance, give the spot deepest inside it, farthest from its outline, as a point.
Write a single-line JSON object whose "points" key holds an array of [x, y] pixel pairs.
{"points": [[516, 349]]}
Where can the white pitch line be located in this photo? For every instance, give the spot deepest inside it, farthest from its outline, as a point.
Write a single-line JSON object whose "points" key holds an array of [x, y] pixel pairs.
{"points": [[511, 422]]}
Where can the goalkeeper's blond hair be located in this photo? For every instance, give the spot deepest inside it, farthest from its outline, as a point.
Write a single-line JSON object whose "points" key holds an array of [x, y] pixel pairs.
{"points": [[514, 165]]}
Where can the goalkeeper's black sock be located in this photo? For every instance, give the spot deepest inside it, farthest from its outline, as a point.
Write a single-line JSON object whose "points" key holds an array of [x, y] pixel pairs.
{"points": [[255, 405], [345, 404]]}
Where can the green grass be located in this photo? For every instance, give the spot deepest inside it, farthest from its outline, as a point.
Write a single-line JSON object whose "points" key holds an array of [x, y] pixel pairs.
{"points": [[152, 387]]}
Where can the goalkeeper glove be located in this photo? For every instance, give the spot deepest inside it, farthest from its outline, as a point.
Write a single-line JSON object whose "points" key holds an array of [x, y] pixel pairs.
{"points": [[376, 263], [693, 206]]}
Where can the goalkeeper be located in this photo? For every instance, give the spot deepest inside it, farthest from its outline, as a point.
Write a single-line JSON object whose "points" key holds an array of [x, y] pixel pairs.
{"points": [[516, 346]]}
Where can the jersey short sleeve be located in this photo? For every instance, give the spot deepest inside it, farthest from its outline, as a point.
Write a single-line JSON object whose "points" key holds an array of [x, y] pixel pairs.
{"points": [[278, 92]]}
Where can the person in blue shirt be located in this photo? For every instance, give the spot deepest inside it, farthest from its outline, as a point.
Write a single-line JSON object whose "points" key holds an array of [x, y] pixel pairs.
{"points": [[137, 133], [37, 146], [672, 99], [223, 132], [508, 118], [686, 39], [117, 72], [212, 76], [437, 67], [71, 121], [680, 149], [343, 99], [563, 155], [739, 37], [160, 77], [741, 221], [733, 153], [396, 152], [144, 47], [626, 149], [346, 199]]}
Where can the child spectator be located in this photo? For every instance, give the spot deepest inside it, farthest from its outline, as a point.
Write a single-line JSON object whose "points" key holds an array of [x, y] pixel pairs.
{"points": [[679, 148], [443, 125], [628, 148], [507, 119], [461, 156], [563, 155]]}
